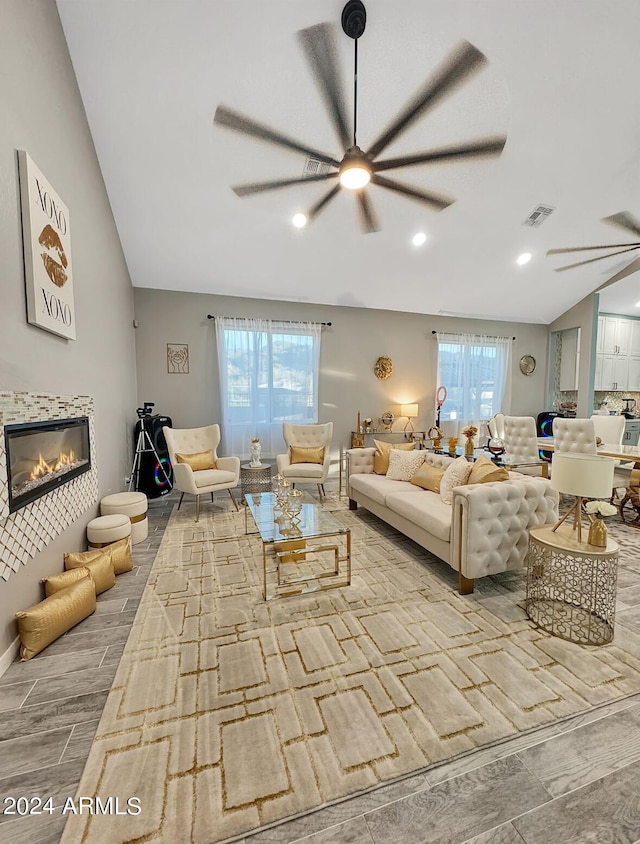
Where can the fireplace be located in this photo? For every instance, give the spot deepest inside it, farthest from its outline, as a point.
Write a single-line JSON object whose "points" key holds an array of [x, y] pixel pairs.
{"points": [[42, 456]]}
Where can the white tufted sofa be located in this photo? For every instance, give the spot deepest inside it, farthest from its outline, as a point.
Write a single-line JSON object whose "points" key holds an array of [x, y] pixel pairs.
{"points": [[484, 531]]}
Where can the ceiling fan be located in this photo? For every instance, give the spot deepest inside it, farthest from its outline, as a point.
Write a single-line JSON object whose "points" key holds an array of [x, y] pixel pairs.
{"points": [[357, 168], [624, 220]]}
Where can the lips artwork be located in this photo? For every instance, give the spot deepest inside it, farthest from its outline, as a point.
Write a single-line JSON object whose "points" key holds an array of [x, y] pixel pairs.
{"points": [[55, 268], [47, 252]]}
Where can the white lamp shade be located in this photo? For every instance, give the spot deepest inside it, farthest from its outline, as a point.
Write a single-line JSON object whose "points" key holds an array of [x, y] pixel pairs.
{"points": [[586, 475], [409, 410]]}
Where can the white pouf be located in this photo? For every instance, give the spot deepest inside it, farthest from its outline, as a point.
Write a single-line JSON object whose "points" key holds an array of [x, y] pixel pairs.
{"points": [[131, 504], [107, 529]]}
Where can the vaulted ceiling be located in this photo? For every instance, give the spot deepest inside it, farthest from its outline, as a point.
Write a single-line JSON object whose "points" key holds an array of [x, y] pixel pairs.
{"points": [[561, 83]]}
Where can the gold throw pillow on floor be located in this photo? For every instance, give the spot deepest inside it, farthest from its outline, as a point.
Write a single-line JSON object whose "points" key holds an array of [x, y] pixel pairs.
{"points": [[43, 623], [55, 582], [101, 567]]}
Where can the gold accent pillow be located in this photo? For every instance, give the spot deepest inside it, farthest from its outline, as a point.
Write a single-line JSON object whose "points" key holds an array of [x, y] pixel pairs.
{"points": [[56, 582], [484, 471], [101, 567], [381, 457], [43, 623], [428, 477], [120, 555], [198, 461], [313, 454]]}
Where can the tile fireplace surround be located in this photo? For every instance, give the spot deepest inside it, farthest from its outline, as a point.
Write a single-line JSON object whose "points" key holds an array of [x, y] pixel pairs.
{"points": [[27, 531]]}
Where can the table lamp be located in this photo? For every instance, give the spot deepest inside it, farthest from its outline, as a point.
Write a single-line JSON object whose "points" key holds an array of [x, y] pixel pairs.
{"points": [[410, 411], [582, 475]]}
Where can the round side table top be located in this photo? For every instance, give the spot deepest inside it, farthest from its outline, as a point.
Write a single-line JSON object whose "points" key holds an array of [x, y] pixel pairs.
{"points": [[260, 468], [565, 539]]}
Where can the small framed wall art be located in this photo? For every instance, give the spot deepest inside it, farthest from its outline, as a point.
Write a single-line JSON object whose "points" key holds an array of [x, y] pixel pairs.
{"points": [[177, 358], [46, 232]]}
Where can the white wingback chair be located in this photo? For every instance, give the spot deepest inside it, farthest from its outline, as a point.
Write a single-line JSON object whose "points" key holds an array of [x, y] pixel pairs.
{"points": [[520, 440], [306, 436], [576, 435], [198, 482], [496, 426]]}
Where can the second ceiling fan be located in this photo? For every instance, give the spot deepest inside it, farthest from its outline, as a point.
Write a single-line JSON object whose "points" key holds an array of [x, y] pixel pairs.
{"points": [[358, 168], [623, 220]]}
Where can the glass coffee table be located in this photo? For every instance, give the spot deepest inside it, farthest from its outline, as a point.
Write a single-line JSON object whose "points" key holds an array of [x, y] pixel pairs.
{"points": [[295, 550]]}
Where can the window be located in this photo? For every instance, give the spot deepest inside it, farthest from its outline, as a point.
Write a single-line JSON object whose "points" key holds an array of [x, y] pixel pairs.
{"points": [[476, 371], [268, 375]]}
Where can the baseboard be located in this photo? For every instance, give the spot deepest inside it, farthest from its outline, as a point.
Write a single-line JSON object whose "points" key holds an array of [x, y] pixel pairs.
{"points": [[9, 655]]}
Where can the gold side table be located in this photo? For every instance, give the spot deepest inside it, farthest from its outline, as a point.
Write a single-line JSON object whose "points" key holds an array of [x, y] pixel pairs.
{"points": [[571, 585], [255, 478]]}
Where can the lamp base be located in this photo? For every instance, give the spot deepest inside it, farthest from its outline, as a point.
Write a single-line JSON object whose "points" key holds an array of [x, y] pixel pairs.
{"points": [[409, 427], [577, 518]]}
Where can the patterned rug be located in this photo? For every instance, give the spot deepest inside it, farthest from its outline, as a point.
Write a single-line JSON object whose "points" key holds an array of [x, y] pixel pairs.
{"points": [[228, 713]]}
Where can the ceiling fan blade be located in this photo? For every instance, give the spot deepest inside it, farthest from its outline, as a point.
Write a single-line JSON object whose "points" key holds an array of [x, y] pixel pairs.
{"points": [[245, 125], [631, 268], [261, 187], [438, 201], [461, 63], [324, 200], [368, 218], [625, 220], [592, 260], [319, 45], [587, 248], [477, 149]]}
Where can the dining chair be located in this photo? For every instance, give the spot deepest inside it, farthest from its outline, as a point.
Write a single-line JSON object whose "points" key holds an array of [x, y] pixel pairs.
{"points": [[577, 435], [521, 442]]}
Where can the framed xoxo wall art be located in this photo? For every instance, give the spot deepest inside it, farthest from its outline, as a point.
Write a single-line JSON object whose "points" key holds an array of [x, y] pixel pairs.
{"points": [[47, 252]]}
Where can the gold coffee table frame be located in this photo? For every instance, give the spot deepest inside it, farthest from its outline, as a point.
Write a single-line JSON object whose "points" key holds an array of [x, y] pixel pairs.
{"points": [[298, 541], [571, 585]]}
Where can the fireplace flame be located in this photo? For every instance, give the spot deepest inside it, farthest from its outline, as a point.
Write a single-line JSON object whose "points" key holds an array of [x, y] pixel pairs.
{"points": [[43, 468]]}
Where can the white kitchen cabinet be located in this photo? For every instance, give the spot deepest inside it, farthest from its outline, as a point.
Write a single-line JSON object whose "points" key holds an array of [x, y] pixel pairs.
{"points": [[616, 335], [634, 343], [569, 360], [633, 375], [614, 372], [631, 432]]}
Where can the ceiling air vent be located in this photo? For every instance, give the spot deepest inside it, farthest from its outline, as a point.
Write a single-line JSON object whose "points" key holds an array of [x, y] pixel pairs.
{"points": [[314, 167], [538, 215]]}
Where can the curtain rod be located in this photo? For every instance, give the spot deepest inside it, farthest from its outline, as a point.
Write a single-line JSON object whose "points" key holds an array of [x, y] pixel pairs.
{"points": [[491, 336], [212, 316]]}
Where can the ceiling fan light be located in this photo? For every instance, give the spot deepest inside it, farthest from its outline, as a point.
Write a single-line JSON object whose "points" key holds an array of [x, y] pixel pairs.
{"points": [[355, 177], [419, 238], [299, 220]]}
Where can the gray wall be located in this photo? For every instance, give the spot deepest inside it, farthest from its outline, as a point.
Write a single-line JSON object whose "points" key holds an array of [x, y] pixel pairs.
{"points": [[42, 113], [348, 353]]}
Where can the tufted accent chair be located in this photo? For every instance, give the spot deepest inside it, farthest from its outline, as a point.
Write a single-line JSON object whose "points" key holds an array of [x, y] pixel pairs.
{"points": [[577, 435], [306, 436], [496, 426], [194, 440], [521, 441]]}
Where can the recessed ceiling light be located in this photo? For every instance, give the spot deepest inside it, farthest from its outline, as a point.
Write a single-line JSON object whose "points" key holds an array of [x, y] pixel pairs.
{"points": [[419, 238], [524, 258], [299, 220], [637, 304]]}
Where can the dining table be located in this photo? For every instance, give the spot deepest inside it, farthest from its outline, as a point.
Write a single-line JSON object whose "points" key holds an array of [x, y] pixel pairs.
{"points": [[623, 453]]}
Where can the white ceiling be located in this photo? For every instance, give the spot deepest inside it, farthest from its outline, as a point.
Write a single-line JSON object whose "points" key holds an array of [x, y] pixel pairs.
{"points": [[562, 83]]}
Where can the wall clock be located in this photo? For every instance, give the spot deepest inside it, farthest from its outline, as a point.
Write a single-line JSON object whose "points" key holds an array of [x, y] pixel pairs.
{"points": [[383, 367], [527, 364]]}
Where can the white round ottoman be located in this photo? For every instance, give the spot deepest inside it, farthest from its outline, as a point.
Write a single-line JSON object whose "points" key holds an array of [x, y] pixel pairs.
{"points": [[107, 529], [131, 504]]}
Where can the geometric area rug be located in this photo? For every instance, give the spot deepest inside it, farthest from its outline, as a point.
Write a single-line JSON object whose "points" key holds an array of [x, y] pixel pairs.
{"points": [[229, 713]]}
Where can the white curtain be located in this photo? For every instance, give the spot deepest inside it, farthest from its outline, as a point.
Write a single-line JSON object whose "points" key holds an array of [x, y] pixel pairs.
{"points": [[476, 371], [268, 375]]}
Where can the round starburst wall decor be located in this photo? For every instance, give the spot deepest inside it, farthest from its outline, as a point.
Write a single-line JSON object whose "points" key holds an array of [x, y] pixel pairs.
{"points": [[383, 367]]}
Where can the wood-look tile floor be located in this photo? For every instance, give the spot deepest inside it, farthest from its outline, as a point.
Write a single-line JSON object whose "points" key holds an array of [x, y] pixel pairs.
{"points": [[569, 783]]}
